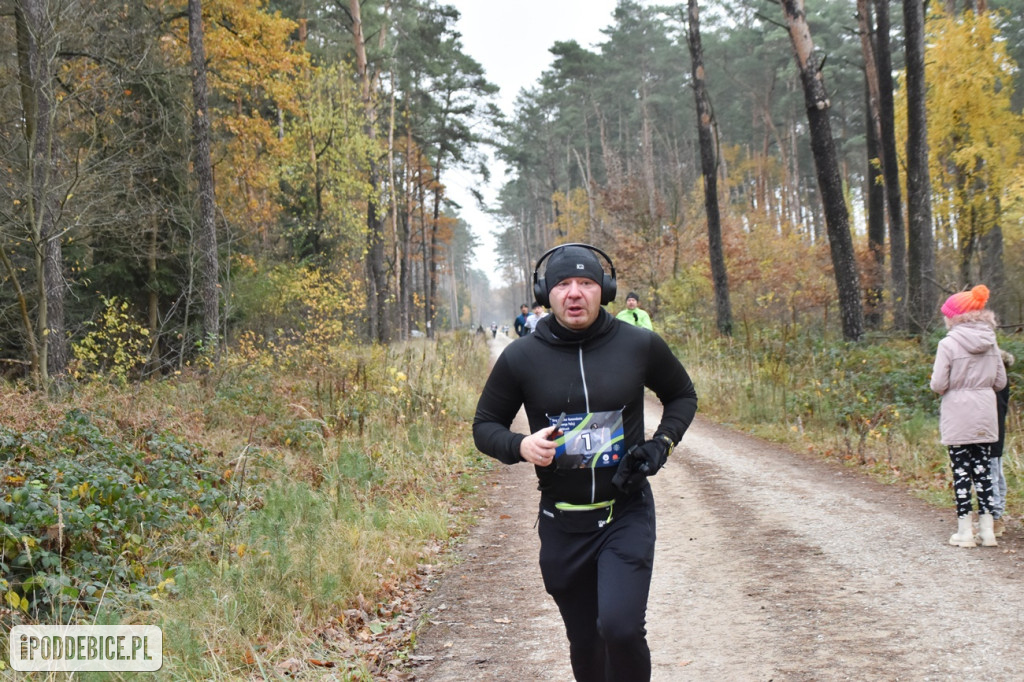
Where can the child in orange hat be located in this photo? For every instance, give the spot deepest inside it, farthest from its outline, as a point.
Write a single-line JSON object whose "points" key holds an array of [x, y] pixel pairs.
{"points": [[968, 370]]}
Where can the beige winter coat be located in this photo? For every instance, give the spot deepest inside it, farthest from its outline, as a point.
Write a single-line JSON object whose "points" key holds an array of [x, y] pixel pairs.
{"points": [[968, 371]]}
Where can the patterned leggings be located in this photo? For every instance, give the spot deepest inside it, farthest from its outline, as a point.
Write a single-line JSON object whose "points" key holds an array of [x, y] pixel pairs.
{"points": [[971, 465]]}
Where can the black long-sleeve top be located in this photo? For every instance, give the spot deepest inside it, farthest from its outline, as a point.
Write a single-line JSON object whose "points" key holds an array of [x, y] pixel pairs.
{"points": [[603, 368]]}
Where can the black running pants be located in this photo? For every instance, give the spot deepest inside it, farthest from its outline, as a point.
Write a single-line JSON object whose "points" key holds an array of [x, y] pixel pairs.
{"points": [[600, 579]]}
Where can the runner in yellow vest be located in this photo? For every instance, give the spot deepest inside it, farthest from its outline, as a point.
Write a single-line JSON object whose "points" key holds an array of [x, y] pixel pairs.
{"points": [[633, 314]]}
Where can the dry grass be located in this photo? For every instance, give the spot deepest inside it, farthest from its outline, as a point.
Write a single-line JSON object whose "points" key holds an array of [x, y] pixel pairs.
{"points": [[345, 476], [866, 405]]}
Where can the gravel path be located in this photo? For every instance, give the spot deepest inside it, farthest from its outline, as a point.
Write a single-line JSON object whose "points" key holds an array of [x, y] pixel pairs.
{"points": [[770, 565]]}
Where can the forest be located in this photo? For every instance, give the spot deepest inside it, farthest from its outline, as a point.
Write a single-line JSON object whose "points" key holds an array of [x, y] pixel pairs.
{"points": [[609, 147], [230, 265], [198, 179]]}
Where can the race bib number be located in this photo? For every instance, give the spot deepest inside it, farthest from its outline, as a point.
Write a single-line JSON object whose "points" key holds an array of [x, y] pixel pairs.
{"points": [[589, 440]]}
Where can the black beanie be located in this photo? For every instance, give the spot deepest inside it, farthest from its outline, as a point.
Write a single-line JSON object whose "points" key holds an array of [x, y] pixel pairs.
{"points": [[572, 261], [632, 294]]}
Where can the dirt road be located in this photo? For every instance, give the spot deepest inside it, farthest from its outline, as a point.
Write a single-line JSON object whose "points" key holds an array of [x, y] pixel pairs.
{"points": [[770, 565]]}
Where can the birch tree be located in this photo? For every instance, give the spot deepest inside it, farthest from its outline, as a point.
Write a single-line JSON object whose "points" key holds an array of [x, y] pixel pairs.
{"points": [[976, 150]]}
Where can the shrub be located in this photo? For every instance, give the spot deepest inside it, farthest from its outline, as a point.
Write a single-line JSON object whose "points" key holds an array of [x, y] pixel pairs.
{"points": [[115, 347], [88, 518]]}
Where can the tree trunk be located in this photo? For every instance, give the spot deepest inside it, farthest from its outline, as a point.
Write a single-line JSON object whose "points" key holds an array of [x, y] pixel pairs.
{"points": [[58, 352], [709, 168], [207, 244], [648, 156], [874, 279], [920, 241], [837, 219], [453, 297], [993, 273], [26, 318], [431, 254], [36, 48], [890, 167], [405, 280], [153, 296], [376, 276], [875, 190], [396, 241], [966, 220], [424, 253]]}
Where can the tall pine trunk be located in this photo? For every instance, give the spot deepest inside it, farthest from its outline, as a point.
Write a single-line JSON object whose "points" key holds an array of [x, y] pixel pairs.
{"points": [[875, 191], [430, 255], [837, 218], [376, 274], [890, 167], [920, 241], [875, 279], [207, 243], [709, 168]]}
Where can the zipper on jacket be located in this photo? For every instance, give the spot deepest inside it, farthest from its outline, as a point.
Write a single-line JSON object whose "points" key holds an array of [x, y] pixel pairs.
{"points": [[586, 402]]}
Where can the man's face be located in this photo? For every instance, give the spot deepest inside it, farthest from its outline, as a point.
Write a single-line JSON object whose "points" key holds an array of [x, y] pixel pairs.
{"points": [[631, 303], [576, 302], [523, 309]]}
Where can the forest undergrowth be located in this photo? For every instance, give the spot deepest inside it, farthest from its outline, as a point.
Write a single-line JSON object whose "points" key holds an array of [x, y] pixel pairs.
{"points": [[282, 511], [274, 514]]}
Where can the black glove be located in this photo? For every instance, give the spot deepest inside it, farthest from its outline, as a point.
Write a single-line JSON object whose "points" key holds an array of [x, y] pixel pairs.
{"points": [[652, 454], [640, 462]]}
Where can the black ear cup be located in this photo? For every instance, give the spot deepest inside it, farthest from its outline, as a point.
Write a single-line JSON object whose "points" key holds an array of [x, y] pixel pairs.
{"points": [[609, 286], [540, 289]]}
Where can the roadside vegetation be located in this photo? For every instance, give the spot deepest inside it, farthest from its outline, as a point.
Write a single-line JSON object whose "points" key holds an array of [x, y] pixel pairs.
{"points": [[865, 405], [277, 513]]}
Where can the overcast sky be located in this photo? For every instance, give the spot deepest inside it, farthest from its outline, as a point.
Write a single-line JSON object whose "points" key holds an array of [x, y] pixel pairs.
{"points": [[511, 41]]}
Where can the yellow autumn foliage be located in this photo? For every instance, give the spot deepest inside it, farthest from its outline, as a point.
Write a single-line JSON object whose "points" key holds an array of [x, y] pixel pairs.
{"points": [[974, 135]]}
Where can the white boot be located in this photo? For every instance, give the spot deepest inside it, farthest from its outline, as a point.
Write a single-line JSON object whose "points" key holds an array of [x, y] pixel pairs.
{"points": [[964, 535], [985, 530]]}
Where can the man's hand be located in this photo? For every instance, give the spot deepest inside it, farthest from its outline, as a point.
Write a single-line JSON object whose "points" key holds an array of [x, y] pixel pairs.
{"points": [[640, 462], [651, 456], [539, 448]]}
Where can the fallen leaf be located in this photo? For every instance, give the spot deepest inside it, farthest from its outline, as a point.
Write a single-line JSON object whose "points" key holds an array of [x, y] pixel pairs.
{"points": [[321, 664], [684, 663], [503, 621]]}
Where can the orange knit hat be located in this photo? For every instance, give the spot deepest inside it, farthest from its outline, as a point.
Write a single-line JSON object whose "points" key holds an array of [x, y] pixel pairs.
{"points": [[966, 301]]}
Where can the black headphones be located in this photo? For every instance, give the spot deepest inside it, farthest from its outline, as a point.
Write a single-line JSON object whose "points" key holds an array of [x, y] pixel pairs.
{"points": [[608, 285]]}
